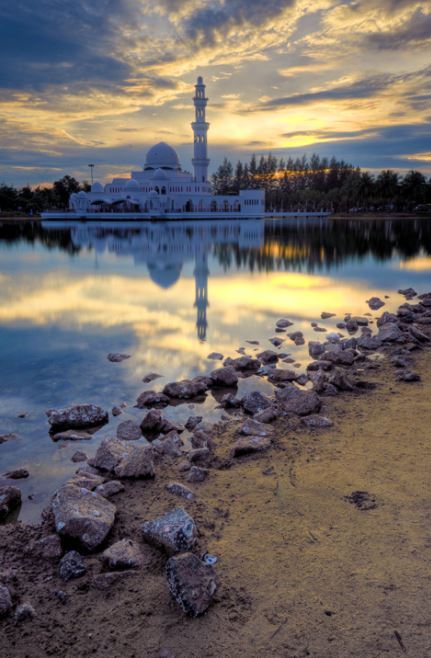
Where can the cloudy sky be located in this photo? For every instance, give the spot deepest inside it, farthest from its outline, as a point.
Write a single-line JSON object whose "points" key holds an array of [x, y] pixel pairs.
{"points": [[102, 80]]}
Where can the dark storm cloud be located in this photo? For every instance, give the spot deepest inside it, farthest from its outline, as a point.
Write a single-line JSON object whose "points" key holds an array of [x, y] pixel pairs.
{"points": [[415, 31]]}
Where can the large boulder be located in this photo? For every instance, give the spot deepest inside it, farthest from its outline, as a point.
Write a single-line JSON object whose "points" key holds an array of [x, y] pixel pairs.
{"points": [[79, 416], [175, 531], [389, 332], [10, 499], [82, 515], [340, 357], [185, 389], [268, 356], [124, 459], [128, 430], [243, 363], [254, 402], [315, 349], [224, 377], [191, 582], [298, 402], [375, 303]]}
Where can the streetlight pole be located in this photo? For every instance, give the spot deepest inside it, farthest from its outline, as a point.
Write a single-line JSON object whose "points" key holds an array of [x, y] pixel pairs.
{"points": [[91, 169]]}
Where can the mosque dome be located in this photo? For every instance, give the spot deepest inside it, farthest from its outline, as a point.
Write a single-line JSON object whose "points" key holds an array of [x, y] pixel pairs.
{"points": [[164, 275], [162, 156], [97, 187], [82, 194], [132, 184], [160, 174]]}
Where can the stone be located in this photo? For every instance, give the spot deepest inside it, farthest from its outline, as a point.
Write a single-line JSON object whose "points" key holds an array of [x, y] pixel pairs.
{"points": [[389, 333], [172, 445], [375, 303], [252, 427], [124, 554], [152, 399], [79, 456], [4, 438], [418, 334], [325, 315], [10, 499], [152, 423], [87, 480], [254, 402], [48, 548], [314, 421], [268, 356], [196, 474], [341, 325], [124, 459], [279, 376], [230, 401], [369, 342], [215, 356], [340, 357], [315, 349], [178, 489], [243, 363], [362, 500], [408, 292], [191, 583], [224, 377], [5, 601], [283, 323], [408, 376], [76, 417], [17, 474], [266, 415], [106, 581], [340, 380], [276, 341], [82, 515], [24, 612], [175, 531], [151, 377], [386, 317], [193, 422], [72, 435], [199, 455], [110, 488], [297, 337], [352, 326], [116, 411], [301, 403], [250, 444], [72, 566], [201, 439], [128, 430], [116, 357], [185, 389]]}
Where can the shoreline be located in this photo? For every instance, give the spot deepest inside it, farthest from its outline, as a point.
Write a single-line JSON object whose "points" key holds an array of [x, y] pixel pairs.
{"points": [[273, 529]]}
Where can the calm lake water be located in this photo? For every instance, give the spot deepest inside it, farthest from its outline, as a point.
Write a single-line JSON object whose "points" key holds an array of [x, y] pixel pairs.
{"points": [[168, 294]]}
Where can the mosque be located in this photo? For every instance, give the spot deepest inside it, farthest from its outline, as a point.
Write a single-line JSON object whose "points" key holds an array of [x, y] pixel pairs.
{"points": [[163, 189]]}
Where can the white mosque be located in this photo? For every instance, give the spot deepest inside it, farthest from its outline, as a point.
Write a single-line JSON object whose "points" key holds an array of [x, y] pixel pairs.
{"points": [[163, 189]]}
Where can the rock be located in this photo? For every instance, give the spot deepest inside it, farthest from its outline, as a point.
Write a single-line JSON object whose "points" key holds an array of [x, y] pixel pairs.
{"points": [[268, 356], [360, 320], [172, 445], [243, 363], [340, 380], [124, 459], [152, 423], [389, 333], [224, 377], [283, 323], [408, 376], [418, 334], [17, 474], [254, 402], [152, 399], [385, 318], [325, 315], [253, 342], [116, 357], [5, 601], [279, 376], [76, 417], [82, 515], [193, 422], [151, 377], [124, 554], [375, 303], [230, 401], [4, 438], [10, 499], [341, 325], [178, 489], [297, 337], [128, 430], [252, 427], [362, 500], [199, 455], [79, 456], [250, 444], [87, 480], [316, 422], [315, 349], [408, 292], [340, 357], [369, 342], [185, 389], [24, 612], [351, 326], [106, 581], [109, 489], [298, 402], [48, 548], [266, 415], [400, 361], [61, 596], [191, 583], [276, 341], [201, 439], [116, 411], [72, 566], [175, 531], [215, 356], [72, 435], [196, 474]]}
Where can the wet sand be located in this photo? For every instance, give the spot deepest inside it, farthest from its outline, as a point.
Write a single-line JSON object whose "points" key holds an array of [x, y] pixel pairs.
{"points": [[302, 571]]}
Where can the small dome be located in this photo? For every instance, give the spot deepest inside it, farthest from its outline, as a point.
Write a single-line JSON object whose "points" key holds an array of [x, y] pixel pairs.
{"points": [[82, 194], [160, 174], [162, 156], [97, 187], [132, 184]]}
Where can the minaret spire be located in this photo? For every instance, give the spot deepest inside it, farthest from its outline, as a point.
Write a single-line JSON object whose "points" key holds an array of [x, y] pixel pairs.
{"points": [[200, 128]]}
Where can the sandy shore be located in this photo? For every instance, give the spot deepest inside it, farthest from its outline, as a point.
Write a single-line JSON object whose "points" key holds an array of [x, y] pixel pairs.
{"points": [[302, 571]]}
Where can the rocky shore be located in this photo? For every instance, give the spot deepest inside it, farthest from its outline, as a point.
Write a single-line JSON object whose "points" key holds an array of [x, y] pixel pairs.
{"points": [[141, 543]]}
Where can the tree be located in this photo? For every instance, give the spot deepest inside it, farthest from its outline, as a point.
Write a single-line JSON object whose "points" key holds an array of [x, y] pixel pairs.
{"points": [[63, 188]]}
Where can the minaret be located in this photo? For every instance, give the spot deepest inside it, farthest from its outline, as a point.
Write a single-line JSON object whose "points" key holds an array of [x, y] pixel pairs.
{"points": [[201, 289], [200, 129]]}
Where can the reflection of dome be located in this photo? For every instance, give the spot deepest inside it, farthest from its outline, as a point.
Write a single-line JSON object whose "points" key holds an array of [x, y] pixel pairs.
{"points": [[132, 184], [97, 187], [164, 275], [162, 156]]}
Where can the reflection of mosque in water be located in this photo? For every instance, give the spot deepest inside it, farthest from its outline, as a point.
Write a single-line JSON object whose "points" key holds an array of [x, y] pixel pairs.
{"points": [[165, 248]]}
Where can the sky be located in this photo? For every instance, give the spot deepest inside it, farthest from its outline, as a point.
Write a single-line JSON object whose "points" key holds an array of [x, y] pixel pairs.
{"points": [[100, 81]]}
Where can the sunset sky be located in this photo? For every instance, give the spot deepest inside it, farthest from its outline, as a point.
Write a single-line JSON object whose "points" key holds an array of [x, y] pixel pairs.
{"points": [[102, 80]]}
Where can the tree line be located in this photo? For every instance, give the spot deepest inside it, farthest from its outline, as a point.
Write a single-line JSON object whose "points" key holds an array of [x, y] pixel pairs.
{"points": [[28, 200]]}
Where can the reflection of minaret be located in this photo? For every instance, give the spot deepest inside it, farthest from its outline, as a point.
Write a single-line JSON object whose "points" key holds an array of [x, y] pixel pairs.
{"points": [[201, 286]]}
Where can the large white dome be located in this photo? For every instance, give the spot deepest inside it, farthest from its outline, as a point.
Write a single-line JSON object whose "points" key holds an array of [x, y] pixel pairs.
{"points": [[162, 156]]}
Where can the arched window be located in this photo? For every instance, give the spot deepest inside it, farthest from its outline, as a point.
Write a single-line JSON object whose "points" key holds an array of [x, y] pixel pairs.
{"points": [[163, 190], [157, 189]]}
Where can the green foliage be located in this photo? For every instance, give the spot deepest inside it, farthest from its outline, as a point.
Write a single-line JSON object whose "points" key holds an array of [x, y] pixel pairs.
{"points": [[33, 201]]}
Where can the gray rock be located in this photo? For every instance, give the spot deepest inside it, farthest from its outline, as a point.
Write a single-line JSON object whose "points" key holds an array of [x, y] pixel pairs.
{"points": [[152, 423], [17, 474], [352, 326], [417, 334], [283, 323], [297, 337], [193, 422], [196, 474], [82, 515], [252, 427], [109, 489], [325, 315], [128, 430], [199, 455], [316, 422], [10, 499], [224, 377], [375, 303], [315, 348], [386, 317], [340, 357], [124, 554], [243, 363], [408, 292], [72, 435], [116, 357], [106, 581], [268, 356], [369, 342], [151, 377], [249, 444], [178, 489], [79, 456], [175, 531], [24, 612], [276, 341], [4, 438], [230, 401], [124, 459], [254, 402], [279, 376], [48, 548], [389, 333], [215, 356], [266, 415], [72, 566], [5, 601], [172, 445], [116, 411], [298, 402], [408, 376], [77, 417], [87, 480], [340, 380], [185, 389], [152, 399], [191, 583]]}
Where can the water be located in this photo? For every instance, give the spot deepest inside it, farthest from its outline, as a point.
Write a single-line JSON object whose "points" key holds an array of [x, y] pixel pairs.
{"points": [[168, 294]]}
